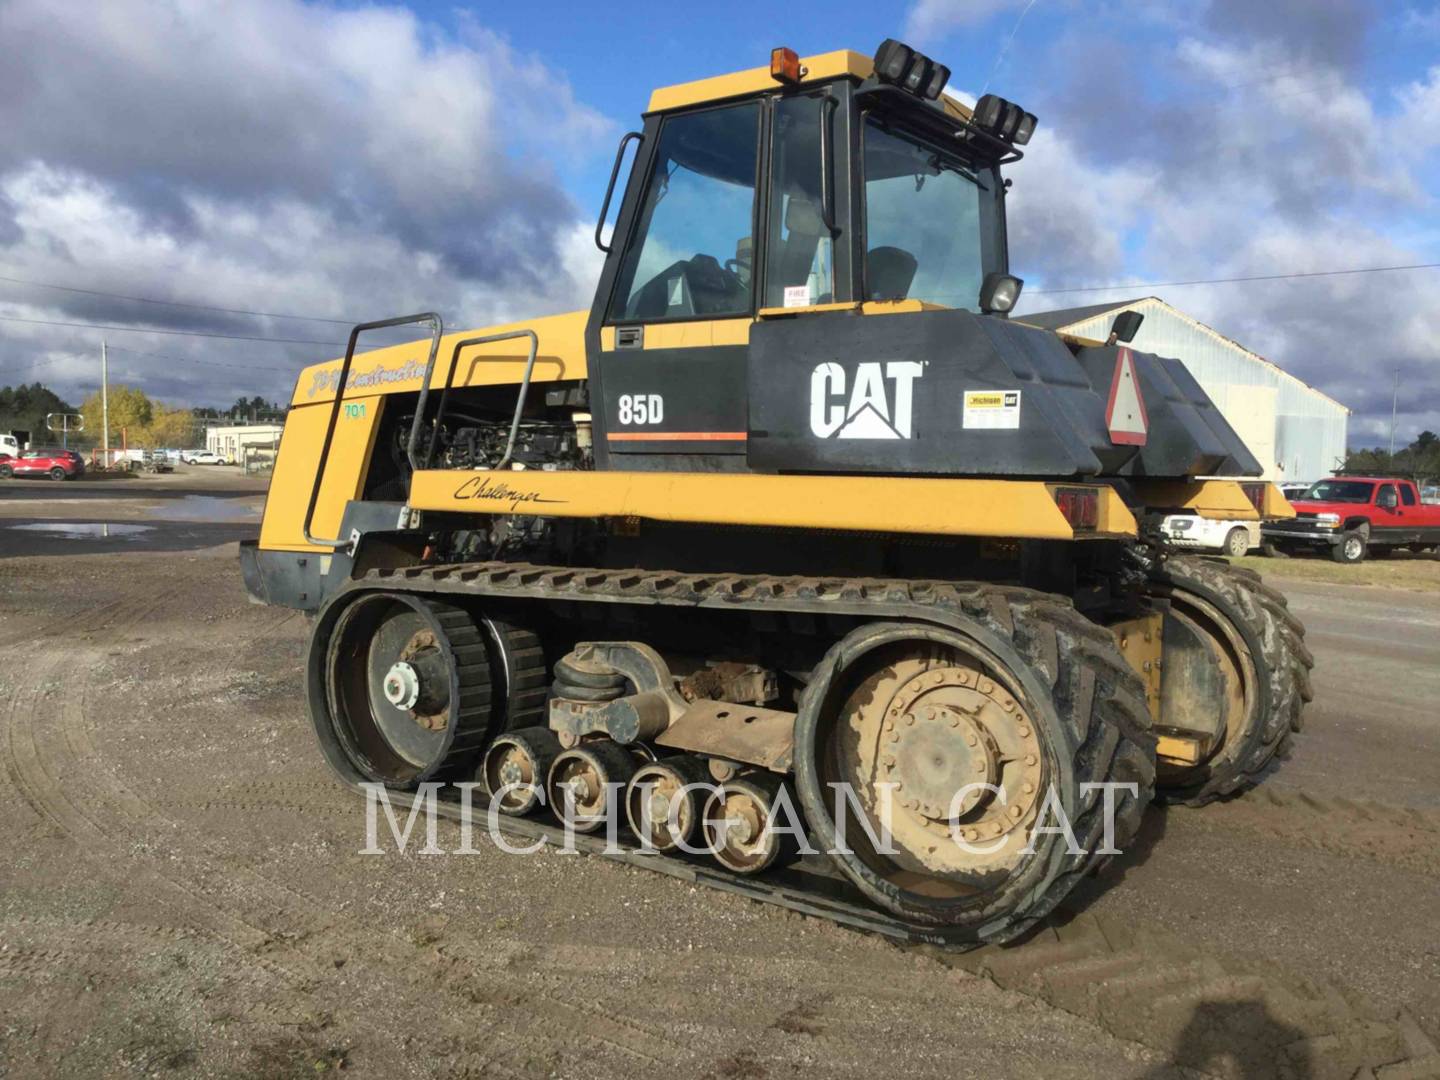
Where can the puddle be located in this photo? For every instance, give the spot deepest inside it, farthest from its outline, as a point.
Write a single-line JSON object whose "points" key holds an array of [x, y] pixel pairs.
{"points": [[79, 530], [203, 508]]}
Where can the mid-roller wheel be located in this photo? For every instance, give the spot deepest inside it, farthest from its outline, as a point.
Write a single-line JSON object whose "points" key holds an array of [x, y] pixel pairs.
{"points": [[742, 828], [516, 767], [665, 800], [587, 782]]}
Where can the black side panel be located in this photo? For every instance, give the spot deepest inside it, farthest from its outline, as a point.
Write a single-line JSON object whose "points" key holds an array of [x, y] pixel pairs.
{"points": [[283, 578], [886, 393], [700, 395], [952, 392]]}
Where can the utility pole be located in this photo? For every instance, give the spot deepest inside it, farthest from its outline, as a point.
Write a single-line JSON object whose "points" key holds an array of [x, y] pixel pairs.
{"points": [[1394, 401], [105, 402]]}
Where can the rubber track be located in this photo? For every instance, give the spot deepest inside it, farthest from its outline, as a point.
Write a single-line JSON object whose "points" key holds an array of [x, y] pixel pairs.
{"points": [[1098, 695], [1284, 664]]}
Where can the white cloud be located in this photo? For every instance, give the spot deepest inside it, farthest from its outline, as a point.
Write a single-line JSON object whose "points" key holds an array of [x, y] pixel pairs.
{"points": [[280, 156], [929, 20]]}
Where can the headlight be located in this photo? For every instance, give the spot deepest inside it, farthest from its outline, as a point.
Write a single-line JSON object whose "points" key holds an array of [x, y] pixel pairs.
{"points": [[1327, 521]]}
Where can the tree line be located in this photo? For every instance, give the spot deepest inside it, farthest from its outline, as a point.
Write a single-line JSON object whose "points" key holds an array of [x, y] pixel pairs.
{"points": [[1421, 458], [134, 417]]}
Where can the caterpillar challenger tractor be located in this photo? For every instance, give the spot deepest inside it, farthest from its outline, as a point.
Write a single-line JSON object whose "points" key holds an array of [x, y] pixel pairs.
{"points": [[794, 525]]}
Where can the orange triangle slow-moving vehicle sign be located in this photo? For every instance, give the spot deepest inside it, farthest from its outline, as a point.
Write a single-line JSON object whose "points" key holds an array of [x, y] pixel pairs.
{"points": [[1125, 414]]}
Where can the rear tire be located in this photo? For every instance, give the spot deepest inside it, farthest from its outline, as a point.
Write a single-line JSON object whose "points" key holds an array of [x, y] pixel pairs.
{"points": [[57, 473], [1281, 663], [1070, 693], [1350, 549], [1237, 542], [6, 472]]}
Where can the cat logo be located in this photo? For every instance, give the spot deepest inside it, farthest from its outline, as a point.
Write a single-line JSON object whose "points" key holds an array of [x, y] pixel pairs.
{"points": [[878, 405]]}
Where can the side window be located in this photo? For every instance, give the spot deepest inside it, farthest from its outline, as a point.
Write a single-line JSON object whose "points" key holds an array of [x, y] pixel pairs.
{"points": [[800, 252], [1407, 495], [1385, 496], [689, 255]]}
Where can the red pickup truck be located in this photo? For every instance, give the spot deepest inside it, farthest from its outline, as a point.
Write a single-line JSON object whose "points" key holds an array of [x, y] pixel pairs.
{"points": [[1353, 515]]}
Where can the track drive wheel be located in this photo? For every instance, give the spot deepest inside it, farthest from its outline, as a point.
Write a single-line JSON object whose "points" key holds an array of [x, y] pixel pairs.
{"points": [[1030, 699], [1260, 649], [405, 692]]}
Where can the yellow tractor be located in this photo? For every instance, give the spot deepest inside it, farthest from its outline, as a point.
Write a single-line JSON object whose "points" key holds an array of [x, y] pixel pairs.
{"points": [[795, 565]]}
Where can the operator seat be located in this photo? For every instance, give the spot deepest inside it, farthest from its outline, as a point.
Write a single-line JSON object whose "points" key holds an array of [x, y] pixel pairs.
{"points": [[889, 273]]}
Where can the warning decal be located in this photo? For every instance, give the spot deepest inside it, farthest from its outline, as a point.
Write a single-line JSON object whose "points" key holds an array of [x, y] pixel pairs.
{"points": [[992, 409], [1125, 413]]}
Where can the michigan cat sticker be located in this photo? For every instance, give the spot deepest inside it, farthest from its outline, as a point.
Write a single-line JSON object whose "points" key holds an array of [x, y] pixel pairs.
{"points": [[993, 409]]}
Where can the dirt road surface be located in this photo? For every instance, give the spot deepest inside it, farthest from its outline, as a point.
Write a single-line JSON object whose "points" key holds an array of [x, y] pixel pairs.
{"points": [[182, 894]]}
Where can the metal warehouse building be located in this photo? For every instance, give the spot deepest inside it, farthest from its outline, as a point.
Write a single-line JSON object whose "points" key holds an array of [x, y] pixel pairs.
{"points": [[1293, 430]]}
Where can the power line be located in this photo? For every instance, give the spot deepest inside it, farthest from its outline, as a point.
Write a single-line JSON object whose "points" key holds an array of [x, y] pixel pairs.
{"points": [[175, 303], [206, 363], [178, 333], [1234, 280]]}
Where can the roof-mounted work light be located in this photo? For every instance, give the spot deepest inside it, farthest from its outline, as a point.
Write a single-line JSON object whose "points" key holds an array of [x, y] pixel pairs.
{"points": [[902, 66], [1004, 119]]}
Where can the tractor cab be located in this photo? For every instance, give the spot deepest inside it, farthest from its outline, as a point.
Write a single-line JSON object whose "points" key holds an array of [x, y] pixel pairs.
{"points": [[828, 185]]}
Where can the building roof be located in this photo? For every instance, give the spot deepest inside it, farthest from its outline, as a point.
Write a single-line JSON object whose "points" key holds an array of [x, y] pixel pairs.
{"points": [[1063, 317]]}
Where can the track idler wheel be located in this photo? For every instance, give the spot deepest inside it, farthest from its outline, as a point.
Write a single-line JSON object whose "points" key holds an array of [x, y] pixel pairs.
{"points": [[663, 804], [742, 828], [581, 786], [518, 764], [406, 689]]}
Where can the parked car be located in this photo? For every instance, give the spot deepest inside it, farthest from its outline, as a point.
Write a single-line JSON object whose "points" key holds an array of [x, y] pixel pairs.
{"points": [[1192, 531], [1352, 516], [201, 457], [1293, 491], [53, 462]]}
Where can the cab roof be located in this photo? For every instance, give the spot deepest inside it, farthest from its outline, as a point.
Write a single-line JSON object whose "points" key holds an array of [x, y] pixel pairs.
{"points": [[821, 67]]}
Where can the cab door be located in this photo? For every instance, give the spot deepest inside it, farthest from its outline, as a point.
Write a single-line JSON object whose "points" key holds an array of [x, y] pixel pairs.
{"points": [[668, 365]]}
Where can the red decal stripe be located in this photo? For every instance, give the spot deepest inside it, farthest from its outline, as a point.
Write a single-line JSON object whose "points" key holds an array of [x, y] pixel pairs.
{"points": [[677, 436]]}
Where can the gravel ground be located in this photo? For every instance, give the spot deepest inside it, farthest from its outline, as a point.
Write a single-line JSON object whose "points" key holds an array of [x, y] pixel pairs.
{"points": [[181, 889]]}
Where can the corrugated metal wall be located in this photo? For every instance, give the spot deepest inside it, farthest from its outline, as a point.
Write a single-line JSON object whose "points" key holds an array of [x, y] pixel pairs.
{"points": [[1309, 439]]}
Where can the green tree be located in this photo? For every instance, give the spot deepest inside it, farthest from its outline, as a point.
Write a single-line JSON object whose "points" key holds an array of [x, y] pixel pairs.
{"points": [[24, 408]]}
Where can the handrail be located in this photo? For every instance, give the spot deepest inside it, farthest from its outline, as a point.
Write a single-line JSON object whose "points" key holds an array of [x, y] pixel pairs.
{"points": [[610, 189], [436, 329], [519, 404], [827, 197]]}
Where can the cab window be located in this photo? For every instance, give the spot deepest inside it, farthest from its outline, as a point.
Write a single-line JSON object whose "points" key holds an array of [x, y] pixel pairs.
{"points": [[1407, 495], [800, 251], [689, 255], [929, 220]]}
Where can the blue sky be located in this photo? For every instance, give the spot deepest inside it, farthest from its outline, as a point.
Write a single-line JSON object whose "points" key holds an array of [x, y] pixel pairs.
{"points": [[340, 160]]}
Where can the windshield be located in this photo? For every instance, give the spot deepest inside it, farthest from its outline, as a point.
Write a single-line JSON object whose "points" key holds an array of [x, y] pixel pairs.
{"points": [[929, 220], [1346, 491]]}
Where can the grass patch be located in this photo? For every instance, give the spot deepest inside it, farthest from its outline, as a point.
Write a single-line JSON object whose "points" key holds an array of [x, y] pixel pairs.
{"points": [[1401, 570]]}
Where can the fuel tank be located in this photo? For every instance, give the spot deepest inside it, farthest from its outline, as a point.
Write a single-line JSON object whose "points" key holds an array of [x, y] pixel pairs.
{"points": [[955, 393]]}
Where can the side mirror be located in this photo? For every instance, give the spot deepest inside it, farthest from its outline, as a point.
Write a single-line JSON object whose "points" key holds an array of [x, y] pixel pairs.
{"points": [[1125, 327]]}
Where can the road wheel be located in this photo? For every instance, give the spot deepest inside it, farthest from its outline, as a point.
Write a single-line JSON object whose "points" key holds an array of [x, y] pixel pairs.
{"points": [[1264, 674], [1237, 542], [1034, 701], [1350, 549], [57, 473], [400, 689], [6, 472]]}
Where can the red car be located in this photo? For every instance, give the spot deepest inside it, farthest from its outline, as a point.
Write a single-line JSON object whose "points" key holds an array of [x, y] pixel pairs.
{"points": [[1358, 515], [46, 461]]}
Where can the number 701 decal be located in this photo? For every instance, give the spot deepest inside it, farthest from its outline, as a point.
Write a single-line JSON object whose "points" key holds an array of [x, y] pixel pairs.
{"points": [[641, 409]]}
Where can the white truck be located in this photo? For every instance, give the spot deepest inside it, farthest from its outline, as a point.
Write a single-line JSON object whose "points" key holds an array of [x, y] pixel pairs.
{"points": [[9, 445]]}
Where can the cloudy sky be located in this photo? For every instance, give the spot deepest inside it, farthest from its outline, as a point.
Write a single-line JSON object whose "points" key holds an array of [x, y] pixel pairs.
{"points": [[345, 161]]}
